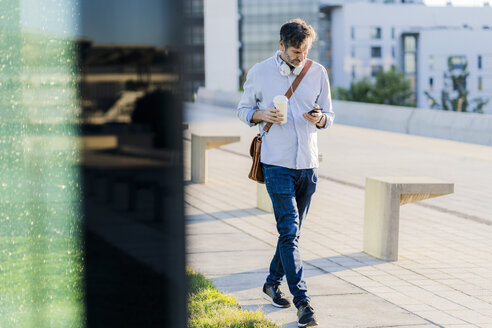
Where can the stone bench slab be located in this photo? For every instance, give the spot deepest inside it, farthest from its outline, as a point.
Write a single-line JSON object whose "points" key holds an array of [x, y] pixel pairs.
{"points": [[200, 143], [383, 198]]}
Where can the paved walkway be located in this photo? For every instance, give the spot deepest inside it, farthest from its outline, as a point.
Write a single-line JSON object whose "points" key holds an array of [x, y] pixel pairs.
{"points": [[443, 274]]}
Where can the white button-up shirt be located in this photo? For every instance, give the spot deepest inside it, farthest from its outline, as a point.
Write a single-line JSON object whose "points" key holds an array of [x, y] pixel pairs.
{"points": [[293, 144]]}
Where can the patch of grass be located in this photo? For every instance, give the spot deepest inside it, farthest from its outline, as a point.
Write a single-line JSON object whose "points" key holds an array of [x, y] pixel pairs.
{"points": [[209, 308]]}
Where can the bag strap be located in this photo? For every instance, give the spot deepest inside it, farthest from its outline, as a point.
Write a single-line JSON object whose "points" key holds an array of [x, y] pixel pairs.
{"points": [[292, 88]]}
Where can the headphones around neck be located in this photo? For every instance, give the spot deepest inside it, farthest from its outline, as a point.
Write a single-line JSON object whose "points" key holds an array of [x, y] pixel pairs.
{"points": [[285, 69]]}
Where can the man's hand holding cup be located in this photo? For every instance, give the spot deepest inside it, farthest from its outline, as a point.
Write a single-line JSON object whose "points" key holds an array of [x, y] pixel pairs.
{"points": [[272, 115]]}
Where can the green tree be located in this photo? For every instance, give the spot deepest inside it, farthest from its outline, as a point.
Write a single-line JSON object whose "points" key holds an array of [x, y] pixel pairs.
{"points": [[390, 88], [454, 95], [358, 91]]}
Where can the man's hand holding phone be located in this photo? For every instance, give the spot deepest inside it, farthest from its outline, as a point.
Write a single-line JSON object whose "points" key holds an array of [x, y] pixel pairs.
{"points": [[315, 115]]}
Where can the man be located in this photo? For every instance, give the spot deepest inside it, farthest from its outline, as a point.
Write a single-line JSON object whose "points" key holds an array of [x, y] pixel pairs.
{"points": [[289, 153]]}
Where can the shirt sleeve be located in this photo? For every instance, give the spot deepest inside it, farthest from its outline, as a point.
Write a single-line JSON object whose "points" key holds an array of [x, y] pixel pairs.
{"points": [[248, 103], [324, 100]]}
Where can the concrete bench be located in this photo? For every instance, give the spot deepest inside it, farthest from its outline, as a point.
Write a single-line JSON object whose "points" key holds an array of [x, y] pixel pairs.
{"points": [[383, 198], [263, 201], [200, 143]]}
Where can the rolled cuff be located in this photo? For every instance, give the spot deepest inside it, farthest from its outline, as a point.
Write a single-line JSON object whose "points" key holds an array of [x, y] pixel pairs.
{"points": [[328, 120], [249, 116]]}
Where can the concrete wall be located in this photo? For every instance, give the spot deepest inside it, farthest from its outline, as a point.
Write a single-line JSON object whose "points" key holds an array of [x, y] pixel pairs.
{"points": [[221, 45], [218, 98], [464, 127]]}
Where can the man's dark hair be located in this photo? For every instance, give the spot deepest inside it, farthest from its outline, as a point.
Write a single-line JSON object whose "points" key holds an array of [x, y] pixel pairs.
{"points": [[295, 32]]}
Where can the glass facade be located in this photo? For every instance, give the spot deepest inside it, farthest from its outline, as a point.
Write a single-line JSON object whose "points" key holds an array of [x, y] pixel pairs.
{"points": [[260, 23], [194, 48], [324, 43], [41, 258]]}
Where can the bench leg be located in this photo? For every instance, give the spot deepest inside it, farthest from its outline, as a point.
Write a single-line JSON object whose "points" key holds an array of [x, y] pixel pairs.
{"points": [[263, 201], [381, 220], [198, 160]]}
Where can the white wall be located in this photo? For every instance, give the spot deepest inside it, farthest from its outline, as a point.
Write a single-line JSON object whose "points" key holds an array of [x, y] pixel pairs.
{"points": [[403, 18], [221, 45], [439, 44]]}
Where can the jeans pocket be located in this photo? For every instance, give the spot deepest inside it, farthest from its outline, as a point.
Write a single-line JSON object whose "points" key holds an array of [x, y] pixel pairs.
{"points": [[314, 177]]}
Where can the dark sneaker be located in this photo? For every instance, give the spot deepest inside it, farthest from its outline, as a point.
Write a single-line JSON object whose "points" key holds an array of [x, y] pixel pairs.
{"points": [[274, 295], [305, 315]]}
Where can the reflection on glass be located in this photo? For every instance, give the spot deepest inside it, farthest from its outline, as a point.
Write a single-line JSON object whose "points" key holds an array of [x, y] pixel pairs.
{"points": [[375, 33], [40, 249], [131, 159], [409, 63], [410, 43]]}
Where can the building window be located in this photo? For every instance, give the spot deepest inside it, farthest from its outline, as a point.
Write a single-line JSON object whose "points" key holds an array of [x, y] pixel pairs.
{"points": [[410, 43], [431, 63], [352, 52], [375, 52], [197, 36], [375, 33], [353, 72], [393, 52], [431, 83], [457, 62], [480, 85], [375, 69], [352, 33], [409, 54], [197, 62], [410, 62], [479, 61], [197, 7], [392, 33]]}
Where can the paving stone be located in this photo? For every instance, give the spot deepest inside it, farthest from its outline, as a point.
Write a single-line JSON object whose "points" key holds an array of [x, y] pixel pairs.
{"points": [[210, 243], [440, 318]]}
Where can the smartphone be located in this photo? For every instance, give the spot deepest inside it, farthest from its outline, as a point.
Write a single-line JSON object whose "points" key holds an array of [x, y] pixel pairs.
{"points": [[312, 111]]}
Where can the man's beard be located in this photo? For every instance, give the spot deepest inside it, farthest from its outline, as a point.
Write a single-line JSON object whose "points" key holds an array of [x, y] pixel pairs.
{"points": [[295, 62]]}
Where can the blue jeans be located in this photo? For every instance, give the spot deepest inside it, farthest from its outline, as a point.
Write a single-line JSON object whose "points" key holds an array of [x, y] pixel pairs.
{"points": [[290, 191]]}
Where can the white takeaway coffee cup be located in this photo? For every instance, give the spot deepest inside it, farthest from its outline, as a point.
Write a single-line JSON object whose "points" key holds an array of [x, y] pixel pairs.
{"points": [[280, 103]]}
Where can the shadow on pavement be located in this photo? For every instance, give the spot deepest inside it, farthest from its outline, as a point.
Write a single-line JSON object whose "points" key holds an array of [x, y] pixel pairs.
{"points": [[254, 279]]}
